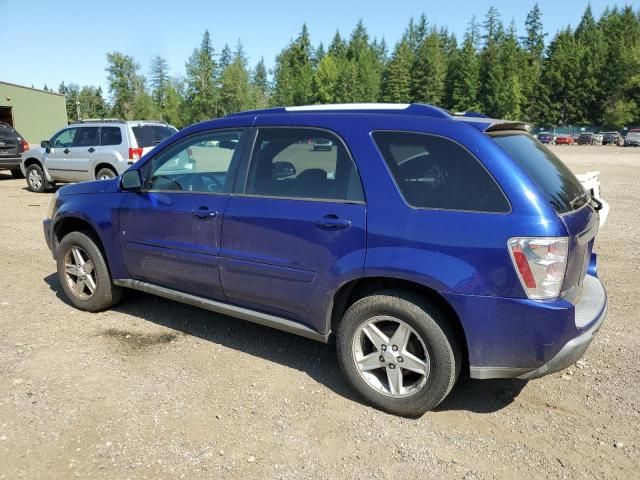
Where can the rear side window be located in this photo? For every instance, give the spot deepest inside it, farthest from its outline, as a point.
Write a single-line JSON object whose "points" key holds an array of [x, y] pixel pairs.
{"points": [[434, 172], [562, 189], [87, 137], [111, 136], [302, 163], [151, 135]]}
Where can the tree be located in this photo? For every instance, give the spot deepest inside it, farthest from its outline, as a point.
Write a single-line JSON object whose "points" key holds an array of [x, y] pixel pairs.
{"points": [[124, 84], [260, 85], [293, 74], [159, 81], [225, 57], [463, 74], [363, 68], [234, 82], [325, 80], [491, 71], [201, 92], [396, 80], [429, 71], [533, 46], [91, 103]]}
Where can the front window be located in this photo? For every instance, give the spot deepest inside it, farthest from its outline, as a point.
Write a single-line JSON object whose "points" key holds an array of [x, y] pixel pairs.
{"points": [[65, 138], [198, 164]]}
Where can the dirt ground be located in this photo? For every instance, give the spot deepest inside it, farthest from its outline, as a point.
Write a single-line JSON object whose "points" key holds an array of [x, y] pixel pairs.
{"points": [[155, 389]]}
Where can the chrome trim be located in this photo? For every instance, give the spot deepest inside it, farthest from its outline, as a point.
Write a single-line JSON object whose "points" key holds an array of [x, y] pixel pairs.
{"points": [[260, 318], [484, 373]]}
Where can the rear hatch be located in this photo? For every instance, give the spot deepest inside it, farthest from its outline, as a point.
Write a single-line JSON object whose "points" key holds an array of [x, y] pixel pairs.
{"points": [[567, 197], [149, 135], [9, 142]]}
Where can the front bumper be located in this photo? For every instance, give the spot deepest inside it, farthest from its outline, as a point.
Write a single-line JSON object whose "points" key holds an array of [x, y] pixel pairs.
{"points": [[588, 315]]}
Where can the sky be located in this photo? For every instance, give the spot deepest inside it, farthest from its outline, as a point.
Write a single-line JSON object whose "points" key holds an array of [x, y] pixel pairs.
{"points": [[46, 44]]}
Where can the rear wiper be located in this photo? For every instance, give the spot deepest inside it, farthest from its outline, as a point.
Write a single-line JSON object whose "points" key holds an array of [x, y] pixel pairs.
{"points": [[585, 197]]}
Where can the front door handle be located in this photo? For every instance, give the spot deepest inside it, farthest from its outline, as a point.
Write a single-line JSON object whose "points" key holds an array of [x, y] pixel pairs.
{"points": [[332, 222], [66, 150], [91, 150], [204, 212]]}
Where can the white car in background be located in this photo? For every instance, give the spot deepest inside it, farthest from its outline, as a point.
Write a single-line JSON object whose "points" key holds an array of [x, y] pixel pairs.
{"points": [[591, 183]]}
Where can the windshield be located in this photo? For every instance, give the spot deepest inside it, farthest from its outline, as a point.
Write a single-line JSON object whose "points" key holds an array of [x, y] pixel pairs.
{"points": [[562, 189], [151, 135]]}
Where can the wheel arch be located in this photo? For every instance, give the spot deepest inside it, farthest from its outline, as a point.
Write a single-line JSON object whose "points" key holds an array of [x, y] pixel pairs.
{"points": [[31, 161], [100, 165], [67, 225], [359, 288]]}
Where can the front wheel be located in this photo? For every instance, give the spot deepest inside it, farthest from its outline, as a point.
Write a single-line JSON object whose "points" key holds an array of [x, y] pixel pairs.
{"points": [[105, 174], [398, 352], [36, 181], [84, 275]]}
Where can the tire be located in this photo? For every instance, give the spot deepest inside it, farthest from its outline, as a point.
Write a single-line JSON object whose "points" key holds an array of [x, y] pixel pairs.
{"points": [[17, 173], [96, 292], [106, 173], [432, 338], [36, 181]]}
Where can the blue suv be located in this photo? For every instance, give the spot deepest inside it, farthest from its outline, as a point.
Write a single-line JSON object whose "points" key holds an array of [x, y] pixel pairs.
{"points": [[427, 244]]}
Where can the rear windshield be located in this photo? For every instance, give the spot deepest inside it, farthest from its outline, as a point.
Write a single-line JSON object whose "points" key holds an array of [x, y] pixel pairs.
{"points": [[151, 135], [562, 189]]}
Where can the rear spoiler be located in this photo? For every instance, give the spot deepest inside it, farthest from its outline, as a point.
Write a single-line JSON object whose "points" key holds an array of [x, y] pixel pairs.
{"points": [[485, 124]]}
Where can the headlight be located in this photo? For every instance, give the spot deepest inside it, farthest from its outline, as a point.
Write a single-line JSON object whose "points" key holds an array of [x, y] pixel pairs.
{"points": [[52, 206]]}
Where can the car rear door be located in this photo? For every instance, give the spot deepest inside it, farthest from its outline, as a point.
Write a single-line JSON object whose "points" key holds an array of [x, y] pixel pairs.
{"points": [[170, 232], [296, 225]]}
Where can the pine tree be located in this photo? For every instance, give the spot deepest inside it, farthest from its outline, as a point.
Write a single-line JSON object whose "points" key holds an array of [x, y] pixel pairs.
{"points": [[225, 57], [533, 45], [293, 74], [429, 71], [235, 89], [325, 80], [396, 80], [260, 85], [365, 68], [511, 98], [201, 92], [491, 71], [463, 77]]}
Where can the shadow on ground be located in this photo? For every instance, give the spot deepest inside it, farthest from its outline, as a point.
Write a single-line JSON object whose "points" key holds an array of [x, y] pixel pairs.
{"points": [[315, 359]]}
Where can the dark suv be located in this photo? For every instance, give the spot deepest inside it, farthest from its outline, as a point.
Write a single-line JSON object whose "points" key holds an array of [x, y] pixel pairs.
{"points": [[425, 243], [12, 144]]}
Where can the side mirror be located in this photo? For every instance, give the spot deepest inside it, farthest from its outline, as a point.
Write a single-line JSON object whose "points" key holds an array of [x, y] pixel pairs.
{"points": [[45, 144], [131, 181], [283, 169]]}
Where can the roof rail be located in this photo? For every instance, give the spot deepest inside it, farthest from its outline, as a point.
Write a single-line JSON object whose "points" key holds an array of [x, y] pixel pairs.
{"points": [[97, 120], [410, 108], [162, 122]]}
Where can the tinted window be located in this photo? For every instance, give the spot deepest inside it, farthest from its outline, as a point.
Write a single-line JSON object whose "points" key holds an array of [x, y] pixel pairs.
{"points": [[559, 185], [111, 136], [433, 172], [197, 164], [302, 163], [87, 137], [64, 138], [151, 135]]}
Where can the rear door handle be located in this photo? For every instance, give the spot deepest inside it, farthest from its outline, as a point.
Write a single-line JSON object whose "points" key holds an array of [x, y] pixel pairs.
{"points": [[91, 150], [332, 222], [66, 150], [204, 212]]}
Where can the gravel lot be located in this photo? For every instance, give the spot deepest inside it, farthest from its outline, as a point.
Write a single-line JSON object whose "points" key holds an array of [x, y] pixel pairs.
{"points": [[155, 389]]}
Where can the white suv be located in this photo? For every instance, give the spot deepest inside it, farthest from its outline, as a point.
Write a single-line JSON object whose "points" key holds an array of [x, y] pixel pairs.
{"points": [[91, 150]]}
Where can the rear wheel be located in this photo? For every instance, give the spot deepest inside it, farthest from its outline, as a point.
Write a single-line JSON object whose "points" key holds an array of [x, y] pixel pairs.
{"points": [[36, 181], [398, 352], [106, 173], [84, 275], [17, 173]]}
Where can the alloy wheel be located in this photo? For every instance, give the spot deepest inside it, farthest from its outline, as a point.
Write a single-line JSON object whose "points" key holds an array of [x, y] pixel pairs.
{"points": [[79, 272], [35, 179], [391, 357]]}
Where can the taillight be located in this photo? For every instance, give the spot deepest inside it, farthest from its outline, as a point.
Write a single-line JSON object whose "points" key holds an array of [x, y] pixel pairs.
{"points": [[135, 153], [541, 264], [24, 146]]}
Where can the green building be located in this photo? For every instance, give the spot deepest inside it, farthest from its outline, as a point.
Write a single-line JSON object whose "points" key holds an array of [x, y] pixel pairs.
{"points": [[36, 114]]}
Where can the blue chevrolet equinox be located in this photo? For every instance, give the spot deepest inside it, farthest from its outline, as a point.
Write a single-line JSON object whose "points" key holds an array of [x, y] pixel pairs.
{"points": [[426, 243]]}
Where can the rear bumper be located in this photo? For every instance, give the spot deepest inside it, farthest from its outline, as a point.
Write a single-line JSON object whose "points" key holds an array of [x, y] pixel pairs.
{"points": [[587, 315], [9, 163]]}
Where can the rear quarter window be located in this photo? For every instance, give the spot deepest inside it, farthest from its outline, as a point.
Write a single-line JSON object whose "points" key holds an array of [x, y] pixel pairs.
{"points": [[559, 185], [435, 172]]}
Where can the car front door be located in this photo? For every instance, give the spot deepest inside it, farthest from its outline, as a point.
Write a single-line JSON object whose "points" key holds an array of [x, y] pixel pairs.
{"points": [[170, 232], [57, 160], [295, 227], [80, 159]]}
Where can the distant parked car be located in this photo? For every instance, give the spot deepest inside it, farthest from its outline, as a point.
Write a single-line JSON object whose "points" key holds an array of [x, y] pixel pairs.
{"points": [[611, 138], [12, 144], [598, 138], [564, 140], [585, 139], [91, 150], [322, 144], [546, 138], [633, 138]]}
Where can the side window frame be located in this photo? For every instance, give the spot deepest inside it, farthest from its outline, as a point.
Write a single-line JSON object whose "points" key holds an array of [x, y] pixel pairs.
{"points": [[60, 133], [454, 142], [250, 156], [236, 159]]}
